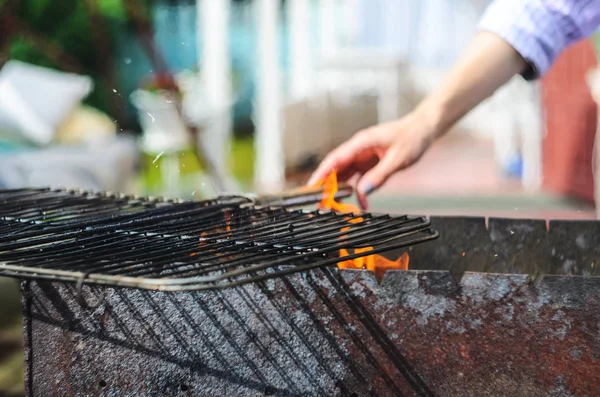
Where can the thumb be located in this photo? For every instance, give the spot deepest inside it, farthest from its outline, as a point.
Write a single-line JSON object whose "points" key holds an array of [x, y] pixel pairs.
{"points": [[376, 176]]}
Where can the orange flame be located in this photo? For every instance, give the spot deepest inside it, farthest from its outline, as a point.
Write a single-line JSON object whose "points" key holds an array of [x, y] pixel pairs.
{"points": [[201, 242], [376, 263], [330, 189], [227, 217]]}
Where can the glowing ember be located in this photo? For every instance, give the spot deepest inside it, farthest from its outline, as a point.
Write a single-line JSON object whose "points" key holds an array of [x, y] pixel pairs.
{"points": [[202, 241], [375, 263], [227, 217]]}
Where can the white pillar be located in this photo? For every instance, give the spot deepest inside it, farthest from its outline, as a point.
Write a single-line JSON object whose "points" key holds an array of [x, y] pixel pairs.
{"points": [[532, 138], [349, 12], [213, 17], [216, 66], [301, 76], [327, 27], [270, 168]]}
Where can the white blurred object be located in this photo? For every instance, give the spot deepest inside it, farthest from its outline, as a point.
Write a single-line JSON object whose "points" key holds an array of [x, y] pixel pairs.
{"points": [[301, 68], [163, 128], [428, 33], [327, 27], [270, 162], [512, 117], [108, 167], [357, 71], [194, 103], [214, 123], [215, 64], [593, 81], [85, 125], [348, 16], [353, 87], [315, 125], [529, 115], [34, 101]]}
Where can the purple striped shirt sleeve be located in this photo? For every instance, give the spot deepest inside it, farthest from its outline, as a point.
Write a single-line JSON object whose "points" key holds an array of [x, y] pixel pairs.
{"points": [[540, 30]]}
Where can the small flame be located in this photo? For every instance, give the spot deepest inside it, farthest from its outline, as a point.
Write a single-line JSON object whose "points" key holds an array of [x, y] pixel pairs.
{"points": [[227, 217], [202, 241], [378, 264], [330, 189]]}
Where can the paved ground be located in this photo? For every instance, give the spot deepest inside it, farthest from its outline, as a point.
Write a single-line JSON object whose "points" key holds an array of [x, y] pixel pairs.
{"points": [[458, 176], [456, 165]]}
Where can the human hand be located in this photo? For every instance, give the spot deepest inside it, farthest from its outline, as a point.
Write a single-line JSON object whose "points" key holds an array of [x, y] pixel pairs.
{"points": [[376, 153]]}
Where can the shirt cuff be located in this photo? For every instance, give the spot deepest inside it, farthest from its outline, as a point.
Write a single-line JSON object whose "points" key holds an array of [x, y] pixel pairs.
{"points": [[529, 29]]}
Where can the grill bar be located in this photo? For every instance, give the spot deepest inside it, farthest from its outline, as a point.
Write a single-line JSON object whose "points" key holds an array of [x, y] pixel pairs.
{"points": [[150, 243]]}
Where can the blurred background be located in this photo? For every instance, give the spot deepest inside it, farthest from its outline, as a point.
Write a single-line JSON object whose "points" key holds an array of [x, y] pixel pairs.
{"points": [[194, 98]]}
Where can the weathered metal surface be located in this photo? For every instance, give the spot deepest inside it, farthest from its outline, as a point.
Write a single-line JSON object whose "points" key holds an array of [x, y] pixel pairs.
{"points": [[511, 246], [326, 333]]}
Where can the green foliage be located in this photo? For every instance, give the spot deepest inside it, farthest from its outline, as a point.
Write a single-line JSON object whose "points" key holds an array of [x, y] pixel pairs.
{"points": [[113, 9], [241, 160], [67, 24], [596, 40]]}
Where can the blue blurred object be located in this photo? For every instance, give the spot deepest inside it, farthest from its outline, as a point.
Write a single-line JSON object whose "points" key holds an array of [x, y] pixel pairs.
{"points": [[8, 147], [514, 167]]}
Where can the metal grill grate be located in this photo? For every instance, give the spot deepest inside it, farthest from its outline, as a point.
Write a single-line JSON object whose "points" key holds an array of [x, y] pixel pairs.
{"points": [[100, 238]]}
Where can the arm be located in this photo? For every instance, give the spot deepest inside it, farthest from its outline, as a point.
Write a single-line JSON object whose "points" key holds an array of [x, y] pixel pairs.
{"points": [[488, 63], [379, 151], [540, 30], [516, 36]]}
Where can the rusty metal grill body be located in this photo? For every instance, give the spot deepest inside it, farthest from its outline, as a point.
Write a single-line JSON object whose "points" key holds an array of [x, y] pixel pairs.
{"points": [[498, 307]]}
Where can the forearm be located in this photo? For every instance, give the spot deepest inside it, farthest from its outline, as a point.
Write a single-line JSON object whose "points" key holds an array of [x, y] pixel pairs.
{"points": [[488, 63], [518, 36]]}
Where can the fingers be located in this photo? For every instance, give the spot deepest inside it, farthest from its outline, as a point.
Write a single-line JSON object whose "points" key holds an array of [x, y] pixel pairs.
{"points": [[346, 173], [321, 172], [362, 199], [331, 162], [378, 175], [340, 158]]}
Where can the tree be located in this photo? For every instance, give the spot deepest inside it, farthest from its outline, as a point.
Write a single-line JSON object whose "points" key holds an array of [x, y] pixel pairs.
{"points": [[74, 36]]}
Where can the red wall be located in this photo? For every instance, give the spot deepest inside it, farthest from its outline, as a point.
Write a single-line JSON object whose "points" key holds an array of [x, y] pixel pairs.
{"points": [[571, 117]]}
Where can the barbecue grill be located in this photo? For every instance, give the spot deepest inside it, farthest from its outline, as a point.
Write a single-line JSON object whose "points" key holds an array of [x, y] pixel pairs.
{"points": [[143, 296], [173, 246]]}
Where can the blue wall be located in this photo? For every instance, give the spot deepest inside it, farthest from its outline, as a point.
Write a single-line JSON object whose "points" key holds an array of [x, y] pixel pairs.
{"points": [[176, 36]]}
